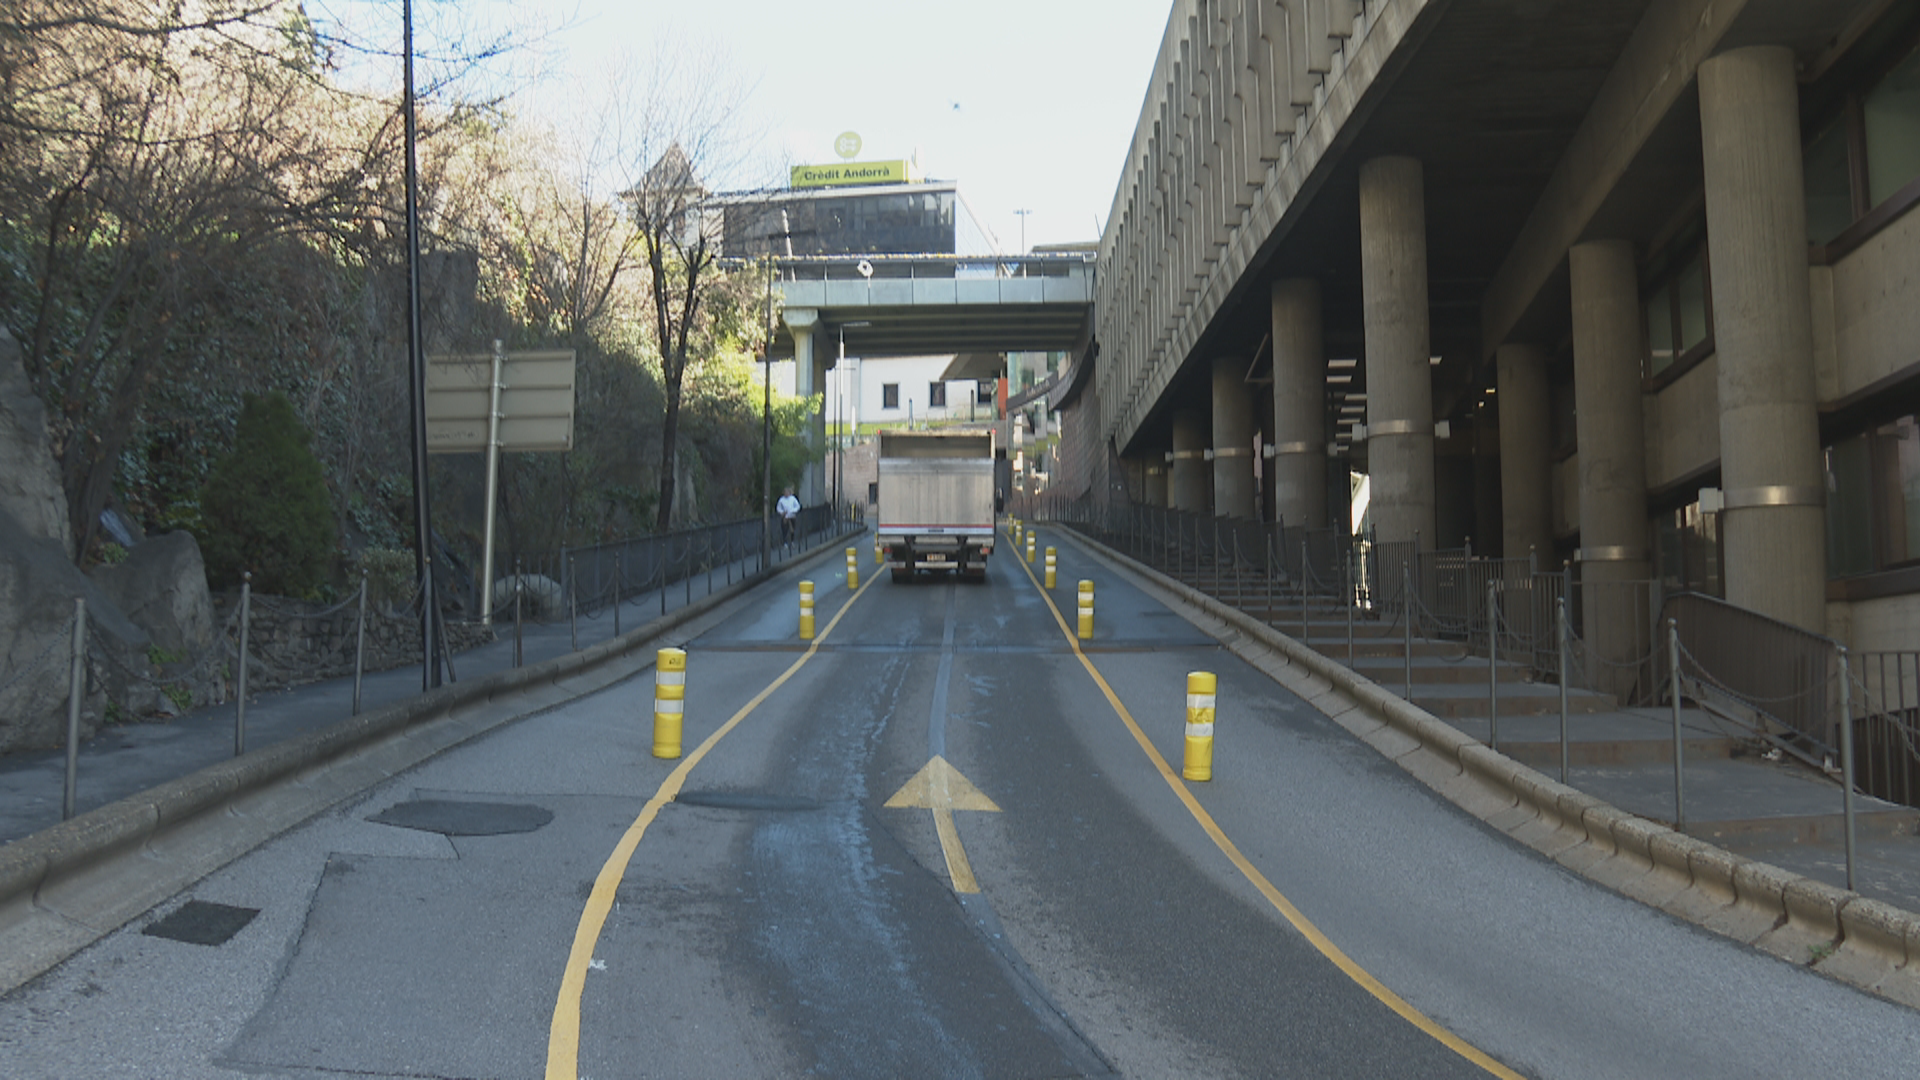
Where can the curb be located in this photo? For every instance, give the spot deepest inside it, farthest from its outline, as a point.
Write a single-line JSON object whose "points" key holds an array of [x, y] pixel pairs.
{"points": [[51, 907], [1863, 942]]}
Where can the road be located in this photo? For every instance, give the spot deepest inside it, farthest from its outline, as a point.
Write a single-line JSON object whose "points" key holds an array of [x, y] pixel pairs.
{"points": [[941, 842]]}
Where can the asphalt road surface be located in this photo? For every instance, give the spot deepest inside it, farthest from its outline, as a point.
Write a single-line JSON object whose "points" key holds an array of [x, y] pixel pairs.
{"points": [[940, 843]]}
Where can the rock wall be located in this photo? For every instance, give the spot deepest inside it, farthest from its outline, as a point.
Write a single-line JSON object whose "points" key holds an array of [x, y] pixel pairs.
{"points": [[29, 481]]}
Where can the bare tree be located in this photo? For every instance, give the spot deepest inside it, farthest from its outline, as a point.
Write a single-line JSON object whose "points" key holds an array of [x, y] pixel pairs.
{"points": [[683, 128]]}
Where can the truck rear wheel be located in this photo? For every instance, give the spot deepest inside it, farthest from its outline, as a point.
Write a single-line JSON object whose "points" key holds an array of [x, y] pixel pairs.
{"points": [[902, 575]]}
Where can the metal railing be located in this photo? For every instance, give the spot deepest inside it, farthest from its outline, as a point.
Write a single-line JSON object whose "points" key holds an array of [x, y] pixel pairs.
{"points": [[1887, 728], [1856, 718], [589, 581], [1778, 681], [544, 589]]}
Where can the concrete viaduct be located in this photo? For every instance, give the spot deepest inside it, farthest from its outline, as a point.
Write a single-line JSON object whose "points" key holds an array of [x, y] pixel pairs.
{"points": [[1417, 238]]}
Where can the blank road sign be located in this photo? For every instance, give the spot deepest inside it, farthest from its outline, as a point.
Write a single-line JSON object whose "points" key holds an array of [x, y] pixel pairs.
{"points": [[536, 401]]}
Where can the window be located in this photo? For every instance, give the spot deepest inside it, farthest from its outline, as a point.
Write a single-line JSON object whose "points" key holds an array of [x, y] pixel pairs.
{"points": [[936, 395], [1687, 543], [1679, 313], [984, 392], [1862, 166], [890, 395], [1890, 115], [1873, 500], [1830, 202]]}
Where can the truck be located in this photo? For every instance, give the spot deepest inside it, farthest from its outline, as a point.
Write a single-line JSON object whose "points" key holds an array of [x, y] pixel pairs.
{"points": [[936, 502]]}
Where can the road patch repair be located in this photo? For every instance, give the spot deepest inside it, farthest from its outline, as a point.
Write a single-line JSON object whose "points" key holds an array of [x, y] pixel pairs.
{"points": [[1858, 940], [65, 887]]}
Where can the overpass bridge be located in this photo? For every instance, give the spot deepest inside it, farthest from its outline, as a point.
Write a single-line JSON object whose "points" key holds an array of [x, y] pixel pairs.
{"points": [[977, 307]]}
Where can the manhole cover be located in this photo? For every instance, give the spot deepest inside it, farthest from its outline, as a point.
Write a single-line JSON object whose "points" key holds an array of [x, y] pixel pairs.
{"points": [[201, 922], [451, 817], [744, 800]]}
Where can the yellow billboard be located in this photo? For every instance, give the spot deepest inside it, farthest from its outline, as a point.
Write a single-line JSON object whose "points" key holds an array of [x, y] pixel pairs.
{"points": [[852, 172]]}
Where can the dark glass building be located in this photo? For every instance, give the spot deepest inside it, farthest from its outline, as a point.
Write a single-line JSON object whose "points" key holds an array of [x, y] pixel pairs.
{"points": [[927, 218]]}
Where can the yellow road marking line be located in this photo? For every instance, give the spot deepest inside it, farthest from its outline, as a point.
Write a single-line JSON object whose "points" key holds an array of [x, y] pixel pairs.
{"points": [[563, 1035], [958, 868], [1293, 915], [939, 787]]}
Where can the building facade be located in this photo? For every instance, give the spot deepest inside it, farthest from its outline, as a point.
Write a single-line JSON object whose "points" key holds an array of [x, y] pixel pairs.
{"points": [[1628, 283]]}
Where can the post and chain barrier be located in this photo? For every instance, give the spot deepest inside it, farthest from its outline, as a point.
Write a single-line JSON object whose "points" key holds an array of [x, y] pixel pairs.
{"points": [[232, 642]]}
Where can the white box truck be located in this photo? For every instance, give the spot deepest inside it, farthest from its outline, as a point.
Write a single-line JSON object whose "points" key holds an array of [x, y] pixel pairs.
{"points": [[936, 501]]}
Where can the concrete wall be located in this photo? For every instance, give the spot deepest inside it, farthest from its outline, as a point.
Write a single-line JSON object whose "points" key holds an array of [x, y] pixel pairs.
{"points": [[1876, 307], [1888, 625], [1682, 425], [1566, 497]]}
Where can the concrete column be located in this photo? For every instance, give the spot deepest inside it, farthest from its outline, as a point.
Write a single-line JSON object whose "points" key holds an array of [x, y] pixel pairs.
{"points": [[1299, 404], [1233, 492], [1607, 347], [1187, 488], [1157, 482], [1526, 480], [1393, 285], [1488, 526], [822, 483], [806, 381], [1774, 527]]}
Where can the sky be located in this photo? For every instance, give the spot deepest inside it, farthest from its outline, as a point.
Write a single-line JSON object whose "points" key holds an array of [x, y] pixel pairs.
{"points": [[1028, 104]]}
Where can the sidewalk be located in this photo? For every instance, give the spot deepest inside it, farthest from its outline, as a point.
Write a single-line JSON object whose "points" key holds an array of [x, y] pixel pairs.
{"points": [[125, 759]]}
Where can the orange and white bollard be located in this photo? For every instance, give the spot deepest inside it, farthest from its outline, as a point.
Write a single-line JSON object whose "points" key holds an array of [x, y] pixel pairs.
{"points": [[1086, 611], [1052, 565], [853, 568], [1201, 687], [806, 611], [669, 701]]}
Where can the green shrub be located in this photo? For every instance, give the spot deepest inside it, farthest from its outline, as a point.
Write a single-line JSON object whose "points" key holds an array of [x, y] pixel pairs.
{"points": [[390, 577], [265, 507]]}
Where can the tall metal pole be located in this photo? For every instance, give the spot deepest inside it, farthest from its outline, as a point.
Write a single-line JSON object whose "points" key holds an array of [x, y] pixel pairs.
{"points": [[766, 428], [1679, 741], [493, 483], [1560, 645], [417, 383], [76, 690], [1493, 666], [1846, 760]]}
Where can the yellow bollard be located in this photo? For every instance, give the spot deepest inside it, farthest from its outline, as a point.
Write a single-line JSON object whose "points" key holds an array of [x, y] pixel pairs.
{"points": [[1030, 539], [669, 701], [853, 568], [1051, 566], [878, 556], [1200, 695], [1086, 611], [806, 611]]}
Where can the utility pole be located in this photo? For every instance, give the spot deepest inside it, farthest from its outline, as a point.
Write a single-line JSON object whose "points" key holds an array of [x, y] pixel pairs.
{"points": [[417, 386]]}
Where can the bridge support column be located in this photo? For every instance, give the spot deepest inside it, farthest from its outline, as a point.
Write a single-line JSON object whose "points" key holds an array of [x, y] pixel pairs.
{"points": [[1187, 487], [1233, 492], [1613, 451], [1157, 477], [1393, 285], [802, 322], [1526, 482], [1774, 526], [1299, 404]]}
